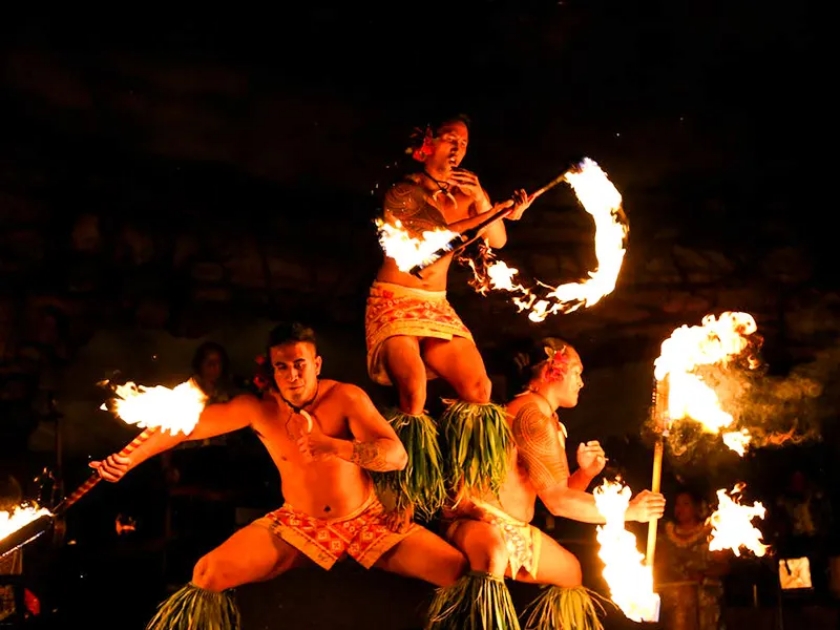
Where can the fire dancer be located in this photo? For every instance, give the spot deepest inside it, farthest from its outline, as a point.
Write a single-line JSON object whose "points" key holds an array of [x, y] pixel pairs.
{"points": [[413, 334], [325, 438], [494, 531]]}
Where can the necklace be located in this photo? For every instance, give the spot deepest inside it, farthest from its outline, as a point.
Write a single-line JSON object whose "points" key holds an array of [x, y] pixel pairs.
{"points": [[297, 408], [443, 186]]}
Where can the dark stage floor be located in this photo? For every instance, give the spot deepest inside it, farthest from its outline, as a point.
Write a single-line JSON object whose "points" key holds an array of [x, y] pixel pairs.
{"points": [[344, 599]]}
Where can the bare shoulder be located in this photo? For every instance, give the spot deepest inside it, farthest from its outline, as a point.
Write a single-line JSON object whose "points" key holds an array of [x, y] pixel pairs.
{"points": [[528, 416], [348, 392], [404, 198]]}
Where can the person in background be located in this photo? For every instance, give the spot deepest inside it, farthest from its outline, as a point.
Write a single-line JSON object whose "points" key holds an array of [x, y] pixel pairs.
{"points": [[688, 575]]}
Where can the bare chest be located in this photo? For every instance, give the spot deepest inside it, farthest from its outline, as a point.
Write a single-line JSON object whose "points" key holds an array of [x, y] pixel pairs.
{"points": [[282, 431]]}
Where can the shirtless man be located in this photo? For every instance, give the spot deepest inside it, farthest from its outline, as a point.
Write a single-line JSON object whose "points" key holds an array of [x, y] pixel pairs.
{"points": [[494, 531], [325, 438], [412, 332]]}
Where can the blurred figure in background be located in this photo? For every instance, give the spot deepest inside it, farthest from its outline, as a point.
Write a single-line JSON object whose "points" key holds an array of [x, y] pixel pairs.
{"points": [[688, 575]]}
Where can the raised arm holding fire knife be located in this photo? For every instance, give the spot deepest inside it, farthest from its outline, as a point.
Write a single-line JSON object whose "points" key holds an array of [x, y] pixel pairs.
{"points": [[413, 334]]}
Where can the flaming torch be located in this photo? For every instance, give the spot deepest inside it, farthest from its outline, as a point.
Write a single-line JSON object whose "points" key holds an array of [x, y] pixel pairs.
{"points": [[156, 408], [630, 580], [681, 394]]}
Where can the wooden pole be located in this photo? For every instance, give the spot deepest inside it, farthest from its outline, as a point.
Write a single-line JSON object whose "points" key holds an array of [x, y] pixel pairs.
{"points": [[661, 423]]}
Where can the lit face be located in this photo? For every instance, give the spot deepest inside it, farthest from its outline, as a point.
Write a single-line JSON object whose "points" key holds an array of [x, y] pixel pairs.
{"points": [[296, 368], [567, 389], [450, 147], [685, 511]]}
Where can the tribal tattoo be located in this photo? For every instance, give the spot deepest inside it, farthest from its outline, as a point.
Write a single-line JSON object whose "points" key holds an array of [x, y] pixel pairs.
{"points": [[540, 449], [406, 202], [368, 455]]}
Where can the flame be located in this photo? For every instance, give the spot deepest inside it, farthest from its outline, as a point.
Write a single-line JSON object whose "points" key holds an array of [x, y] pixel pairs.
{"points": [[629, 579], [717, 341], [406, 250], [600, 198], [18, 518], [174, 410], [732, 526]]}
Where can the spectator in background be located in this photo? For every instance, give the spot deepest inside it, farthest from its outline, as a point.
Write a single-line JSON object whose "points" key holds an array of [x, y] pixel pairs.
{"points": [[211, 371], [688, 575]]}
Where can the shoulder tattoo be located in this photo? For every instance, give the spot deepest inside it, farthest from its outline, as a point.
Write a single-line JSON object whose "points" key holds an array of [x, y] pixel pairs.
{"points": [[540, 448]]}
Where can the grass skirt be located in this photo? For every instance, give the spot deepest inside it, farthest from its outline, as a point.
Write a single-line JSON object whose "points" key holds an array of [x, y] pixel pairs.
{"points": [[575, 608], [478, 601], [419, 486], [477, 445], [193, 608]]}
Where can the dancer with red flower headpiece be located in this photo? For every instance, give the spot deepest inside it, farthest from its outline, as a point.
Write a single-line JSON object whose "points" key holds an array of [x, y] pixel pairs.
{"points": [[413, 334]]}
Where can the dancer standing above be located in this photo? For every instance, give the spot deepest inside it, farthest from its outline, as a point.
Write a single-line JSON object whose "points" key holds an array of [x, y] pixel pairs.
{"points": [[413, 334], [325, 438], [494, 530]]}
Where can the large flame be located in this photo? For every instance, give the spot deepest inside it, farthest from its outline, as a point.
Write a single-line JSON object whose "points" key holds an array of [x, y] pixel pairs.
{"points": [[717, 341], [18, 518], [409, 251], [174, 409], [629, 579], [732, 526], [600, 198]]}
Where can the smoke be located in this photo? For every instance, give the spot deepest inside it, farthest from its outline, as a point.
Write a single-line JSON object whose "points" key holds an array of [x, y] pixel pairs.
{"points": [[776, 411]]}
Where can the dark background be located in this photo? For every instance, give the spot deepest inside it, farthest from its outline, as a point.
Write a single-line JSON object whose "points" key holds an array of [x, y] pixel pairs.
{"points": [[167, 178]]}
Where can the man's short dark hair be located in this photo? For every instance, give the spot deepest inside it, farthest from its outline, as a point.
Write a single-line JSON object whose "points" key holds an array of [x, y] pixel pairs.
{"points": [[291, 332], [441, 121]]}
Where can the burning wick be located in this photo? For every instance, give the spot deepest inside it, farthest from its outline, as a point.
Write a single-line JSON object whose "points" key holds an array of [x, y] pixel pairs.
{"points": [[732, 526], [630, 581]]}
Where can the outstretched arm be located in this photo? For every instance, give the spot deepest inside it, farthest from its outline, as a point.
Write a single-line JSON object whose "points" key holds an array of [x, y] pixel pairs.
{"points": [[216, 419], [375, 446]]}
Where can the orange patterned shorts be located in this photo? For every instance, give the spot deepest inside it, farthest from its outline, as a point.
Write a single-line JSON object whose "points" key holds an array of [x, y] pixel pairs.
{"points": [[394, 310], [361, 535]]}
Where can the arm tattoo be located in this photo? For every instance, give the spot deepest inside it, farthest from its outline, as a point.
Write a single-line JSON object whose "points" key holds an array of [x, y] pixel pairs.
{"points": [[406, 202], [539, 447], [368, 455]]}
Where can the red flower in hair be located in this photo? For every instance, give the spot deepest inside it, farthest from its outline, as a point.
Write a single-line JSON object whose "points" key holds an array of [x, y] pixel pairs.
{"points": [[427, 146], [558, 364], [260, 359]]}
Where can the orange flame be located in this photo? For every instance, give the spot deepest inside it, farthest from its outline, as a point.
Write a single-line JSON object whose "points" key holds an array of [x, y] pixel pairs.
{"points": [[629, 579], [18, 518], [732, 526], [174, 409], [409, 251], [717, 341], [599, 198]]}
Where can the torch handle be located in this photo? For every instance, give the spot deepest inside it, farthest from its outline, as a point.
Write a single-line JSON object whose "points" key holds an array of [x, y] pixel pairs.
{"points": [[554, 182], [94, 479], [660, 419]]}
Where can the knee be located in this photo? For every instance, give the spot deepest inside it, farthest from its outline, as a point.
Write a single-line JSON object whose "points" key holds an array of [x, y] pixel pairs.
{"points": [[477, 390], [491, 556], [573, 576], [209, 573]]}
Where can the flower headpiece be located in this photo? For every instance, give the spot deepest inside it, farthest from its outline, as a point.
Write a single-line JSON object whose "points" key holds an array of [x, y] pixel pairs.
{"points": [[422, 143], [554, 351]]}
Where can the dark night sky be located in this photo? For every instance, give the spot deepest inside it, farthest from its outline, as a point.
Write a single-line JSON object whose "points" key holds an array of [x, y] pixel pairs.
{"points": [[323, 95]]}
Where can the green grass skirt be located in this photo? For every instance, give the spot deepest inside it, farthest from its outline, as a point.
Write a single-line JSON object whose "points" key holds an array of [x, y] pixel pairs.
{"points": [[478, 601], [193, 608], [420, 484], [567, 608], [477, 444]]}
